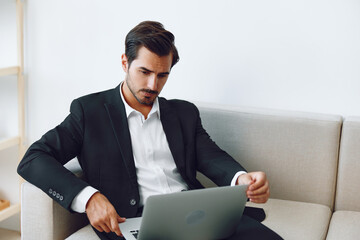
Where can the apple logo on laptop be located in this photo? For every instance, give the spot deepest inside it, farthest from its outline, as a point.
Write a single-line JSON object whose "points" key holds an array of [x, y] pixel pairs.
{"points": [[195, 217]]}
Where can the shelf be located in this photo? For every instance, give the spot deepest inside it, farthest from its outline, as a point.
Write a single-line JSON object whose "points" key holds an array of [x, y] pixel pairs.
{"points": [[9, 71], [10, 211], [9, 234], [8, 143]]}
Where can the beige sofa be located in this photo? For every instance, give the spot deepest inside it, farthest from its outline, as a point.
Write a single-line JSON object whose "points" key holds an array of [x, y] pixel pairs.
{"points": [[345, 221], [311, 160]]}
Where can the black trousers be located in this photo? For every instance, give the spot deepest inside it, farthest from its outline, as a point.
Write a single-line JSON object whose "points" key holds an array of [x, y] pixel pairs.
{"points": [[250, 228]]}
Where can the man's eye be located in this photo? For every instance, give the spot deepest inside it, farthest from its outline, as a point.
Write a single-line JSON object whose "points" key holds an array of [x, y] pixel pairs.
{"points": [[144, 72]]}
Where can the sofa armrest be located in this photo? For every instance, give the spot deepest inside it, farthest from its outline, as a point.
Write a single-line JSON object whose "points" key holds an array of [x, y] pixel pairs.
{"points": [[43, 218]]}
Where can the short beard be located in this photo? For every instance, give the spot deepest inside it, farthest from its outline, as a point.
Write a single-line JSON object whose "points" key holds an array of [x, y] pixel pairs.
{"points": [[147, 103]]}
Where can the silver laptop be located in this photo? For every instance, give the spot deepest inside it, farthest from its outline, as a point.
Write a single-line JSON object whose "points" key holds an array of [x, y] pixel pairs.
{"points": [[212, 213]]}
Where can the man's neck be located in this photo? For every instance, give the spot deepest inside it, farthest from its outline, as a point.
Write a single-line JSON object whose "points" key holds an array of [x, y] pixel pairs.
{"points": [[133, 102]]}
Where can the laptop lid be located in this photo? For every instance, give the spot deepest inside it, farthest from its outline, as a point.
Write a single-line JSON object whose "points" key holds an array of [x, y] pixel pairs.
{"points": [[212, 213]]}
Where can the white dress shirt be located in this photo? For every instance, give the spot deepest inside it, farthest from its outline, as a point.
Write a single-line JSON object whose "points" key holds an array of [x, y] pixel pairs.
{"points": [[155, 166]]}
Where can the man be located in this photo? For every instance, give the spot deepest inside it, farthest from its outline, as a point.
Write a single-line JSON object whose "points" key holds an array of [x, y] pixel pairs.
{"points": [[132, 144]]}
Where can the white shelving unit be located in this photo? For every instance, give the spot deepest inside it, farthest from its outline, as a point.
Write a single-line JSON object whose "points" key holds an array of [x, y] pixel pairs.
{"points": [[19, 139]]}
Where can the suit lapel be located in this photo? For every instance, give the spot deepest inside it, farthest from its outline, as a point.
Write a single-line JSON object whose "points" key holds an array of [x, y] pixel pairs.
{"points": [[173, 132], [171, 126], [119, 124]]}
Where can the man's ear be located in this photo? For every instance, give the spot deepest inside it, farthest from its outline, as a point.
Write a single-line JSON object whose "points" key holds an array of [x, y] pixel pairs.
{"points": [[124, 62]]}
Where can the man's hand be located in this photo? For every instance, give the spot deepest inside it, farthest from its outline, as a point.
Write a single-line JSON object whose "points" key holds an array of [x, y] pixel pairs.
{"points": [[258, 190], [102, 214]]}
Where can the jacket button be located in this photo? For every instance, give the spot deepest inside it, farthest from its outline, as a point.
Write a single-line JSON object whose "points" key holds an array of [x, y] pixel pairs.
{"points": [[54, 193], [50, 191], [61, 198], [132, 202], [57, 195]]}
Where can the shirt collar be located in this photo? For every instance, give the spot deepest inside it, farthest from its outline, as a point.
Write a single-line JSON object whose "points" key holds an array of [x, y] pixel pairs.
{"points": [[129, 110]]}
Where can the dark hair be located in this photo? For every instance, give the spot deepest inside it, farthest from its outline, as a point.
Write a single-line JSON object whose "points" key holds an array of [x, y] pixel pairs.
{"points": [[154, 37]]}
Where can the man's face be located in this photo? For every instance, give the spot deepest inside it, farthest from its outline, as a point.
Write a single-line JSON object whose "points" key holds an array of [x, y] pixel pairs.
{"points": [[146, 76]]}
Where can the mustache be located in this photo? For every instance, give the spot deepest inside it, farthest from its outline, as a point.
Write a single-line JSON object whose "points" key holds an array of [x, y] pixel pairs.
{"points": [[149, 91]]}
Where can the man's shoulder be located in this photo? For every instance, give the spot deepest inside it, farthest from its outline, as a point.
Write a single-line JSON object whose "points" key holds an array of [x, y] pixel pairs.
{"points": [[177, 103], [94, 101], [102, 95], [179, 106]]}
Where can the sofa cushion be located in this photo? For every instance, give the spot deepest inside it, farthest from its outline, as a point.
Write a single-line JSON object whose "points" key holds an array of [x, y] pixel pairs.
{"points": [[349, 167], [296, 220], [84, 233], [344, 225], [298, 151]]}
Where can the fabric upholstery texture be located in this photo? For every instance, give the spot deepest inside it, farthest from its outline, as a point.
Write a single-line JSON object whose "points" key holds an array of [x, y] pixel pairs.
{"points": [[43, 218], [296, 220], [36, 213], [84, 233], [291, 148], [345, 222], [344, 225], [347, 195]]}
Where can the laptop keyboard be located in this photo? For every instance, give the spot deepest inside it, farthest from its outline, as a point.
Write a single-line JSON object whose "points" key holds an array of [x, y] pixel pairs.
{"points": [[135, 233]]}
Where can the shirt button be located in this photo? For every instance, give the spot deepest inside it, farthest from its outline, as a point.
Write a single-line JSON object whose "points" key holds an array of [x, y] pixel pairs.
{"points": [[132, 202]]}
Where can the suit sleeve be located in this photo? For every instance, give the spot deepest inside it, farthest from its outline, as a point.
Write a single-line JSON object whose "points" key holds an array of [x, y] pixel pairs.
{"points": [[43, 163], [212, 161]]}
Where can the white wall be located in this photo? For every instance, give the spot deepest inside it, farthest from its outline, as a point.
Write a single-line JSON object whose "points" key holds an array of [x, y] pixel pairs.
{"points": [[292, 55]]}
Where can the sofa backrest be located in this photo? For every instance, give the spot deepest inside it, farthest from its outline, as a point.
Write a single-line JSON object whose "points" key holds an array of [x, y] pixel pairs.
{"points": [[298, 151], [347, 192]]}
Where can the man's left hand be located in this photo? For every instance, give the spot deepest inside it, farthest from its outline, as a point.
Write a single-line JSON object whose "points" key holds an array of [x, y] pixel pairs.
{"points": [[258, 190]]}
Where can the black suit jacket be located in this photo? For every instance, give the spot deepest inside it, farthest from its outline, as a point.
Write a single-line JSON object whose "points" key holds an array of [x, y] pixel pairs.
{"points": [[96, 132]]}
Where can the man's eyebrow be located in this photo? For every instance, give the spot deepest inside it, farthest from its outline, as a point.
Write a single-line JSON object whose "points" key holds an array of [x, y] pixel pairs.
{"points": [[148, 70]]}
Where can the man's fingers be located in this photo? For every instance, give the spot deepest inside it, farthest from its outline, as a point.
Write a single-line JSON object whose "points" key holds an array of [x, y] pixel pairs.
{"points": [[97, 227], [120, 219], [244, 179], [260, 190], [263, 200], [260, 198], [259, 178], [115, 226], [105, 228], [102, 214]]}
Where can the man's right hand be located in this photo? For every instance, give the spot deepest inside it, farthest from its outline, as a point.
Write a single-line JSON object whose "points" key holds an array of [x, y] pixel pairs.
{"points": [[102, 214]]}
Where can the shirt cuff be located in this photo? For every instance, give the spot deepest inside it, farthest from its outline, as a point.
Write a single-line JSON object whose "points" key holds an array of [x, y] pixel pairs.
{"points": [[79, 202], [238, 174]]}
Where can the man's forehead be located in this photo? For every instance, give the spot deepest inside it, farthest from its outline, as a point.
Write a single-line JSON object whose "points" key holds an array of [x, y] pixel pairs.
{"points": [[150, 61]]}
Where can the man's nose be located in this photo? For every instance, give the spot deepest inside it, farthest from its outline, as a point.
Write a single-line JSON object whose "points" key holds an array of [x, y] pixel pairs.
{"points": [[152, 82]]}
